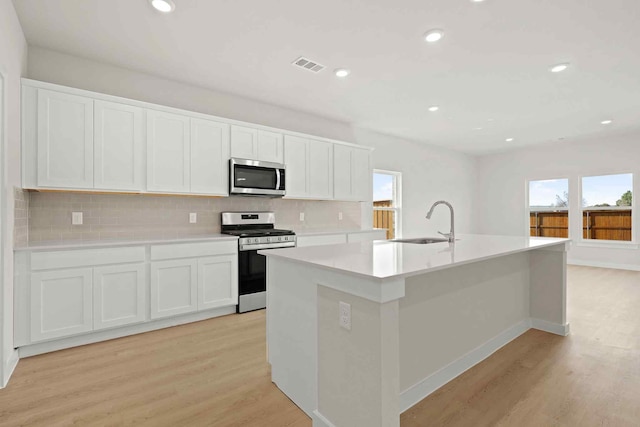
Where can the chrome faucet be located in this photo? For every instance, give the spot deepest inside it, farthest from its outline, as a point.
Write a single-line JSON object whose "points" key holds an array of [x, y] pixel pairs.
{"points": [[451, 236]]}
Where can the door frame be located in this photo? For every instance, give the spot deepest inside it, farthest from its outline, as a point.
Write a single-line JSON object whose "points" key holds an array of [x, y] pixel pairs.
{"points": [[4, 376]]}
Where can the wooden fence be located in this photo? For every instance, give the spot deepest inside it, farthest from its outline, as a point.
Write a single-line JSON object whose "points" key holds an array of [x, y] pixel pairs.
{"points": [[598, 223], [383, 218]]}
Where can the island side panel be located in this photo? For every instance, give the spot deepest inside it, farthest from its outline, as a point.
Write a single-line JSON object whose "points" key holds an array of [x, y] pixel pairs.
{"points": [[358, 369], [292, 331], [452, 319], [549, 289]]}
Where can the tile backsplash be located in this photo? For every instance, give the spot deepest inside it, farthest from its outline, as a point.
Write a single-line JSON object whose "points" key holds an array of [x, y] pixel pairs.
{"points": [[21, 216], [123, 216]]}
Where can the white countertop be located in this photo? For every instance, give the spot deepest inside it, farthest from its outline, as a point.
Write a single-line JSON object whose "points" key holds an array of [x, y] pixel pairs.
{"points": [[321, 232], [82, 244], [387, 260]]}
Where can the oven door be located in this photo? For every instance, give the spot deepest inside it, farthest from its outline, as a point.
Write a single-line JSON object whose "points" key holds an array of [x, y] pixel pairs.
{"points": [[252, 177], [252, 281]]}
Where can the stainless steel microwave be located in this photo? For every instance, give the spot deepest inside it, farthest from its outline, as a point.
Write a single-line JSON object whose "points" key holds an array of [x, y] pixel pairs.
{"points": [[256, 178]]}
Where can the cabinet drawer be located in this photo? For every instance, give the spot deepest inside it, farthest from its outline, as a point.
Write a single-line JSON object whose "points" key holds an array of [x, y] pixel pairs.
{"points": [[193, 250], [87, 257]]}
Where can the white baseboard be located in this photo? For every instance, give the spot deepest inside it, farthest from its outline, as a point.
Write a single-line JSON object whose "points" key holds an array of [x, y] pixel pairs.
{"points": [[422, 389], [554, 328], [9, 367], [320, 421], [613, 265], [109, 334]]}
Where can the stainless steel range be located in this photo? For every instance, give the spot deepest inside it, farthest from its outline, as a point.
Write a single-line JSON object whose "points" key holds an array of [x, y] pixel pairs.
{"points": [[256, 231]]}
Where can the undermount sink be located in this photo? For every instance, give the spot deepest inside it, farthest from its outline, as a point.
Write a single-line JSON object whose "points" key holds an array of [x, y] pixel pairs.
{"points": [[421, 240]]}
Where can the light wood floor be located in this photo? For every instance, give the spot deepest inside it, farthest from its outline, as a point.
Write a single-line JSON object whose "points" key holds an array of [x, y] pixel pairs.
{"points": [[214, 373]]}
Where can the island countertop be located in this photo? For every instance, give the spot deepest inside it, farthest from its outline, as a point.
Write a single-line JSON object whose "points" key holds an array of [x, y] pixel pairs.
{"points": [[388, 260]]}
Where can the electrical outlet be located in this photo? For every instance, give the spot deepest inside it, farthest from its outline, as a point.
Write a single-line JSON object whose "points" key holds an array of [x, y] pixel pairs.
{"points": [[345, 315], [76, 218], [339, 216], [301, 216], [193, 218]]}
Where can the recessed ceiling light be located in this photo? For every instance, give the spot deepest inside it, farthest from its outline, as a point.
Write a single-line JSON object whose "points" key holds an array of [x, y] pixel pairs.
{"points": [[607, 122], [434, 108], [509, 139], [164, 6], [477, 1], [478, 128], [433, 36], [342, 72], [559, 68]]}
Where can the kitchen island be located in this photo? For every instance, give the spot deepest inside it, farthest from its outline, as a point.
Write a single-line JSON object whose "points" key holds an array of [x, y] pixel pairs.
{"points": [[416, 316]]}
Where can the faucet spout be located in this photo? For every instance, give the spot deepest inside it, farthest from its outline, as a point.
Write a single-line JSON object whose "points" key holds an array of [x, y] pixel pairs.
{"points": [[451, 236]]}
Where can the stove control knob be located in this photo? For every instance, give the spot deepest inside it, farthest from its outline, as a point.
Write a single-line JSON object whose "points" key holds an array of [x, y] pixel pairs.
{"points": [[268, 239], [279, 239]]}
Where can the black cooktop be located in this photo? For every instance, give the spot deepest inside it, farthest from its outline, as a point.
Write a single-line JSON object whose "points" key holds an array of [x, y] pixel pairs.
{"points": [[259, 232]]}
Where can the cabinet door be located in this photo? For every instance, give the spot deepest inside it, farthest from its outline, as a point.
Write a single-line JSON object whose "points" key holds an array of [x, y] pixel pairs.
{"points": [[217, 281], [174, 287], [119, 295], [296, 159], [168, 153], [61, 303], [342, 172], [361, 174], [209, 157], [320, 170], [119, 147], [65, 140], [270, 147], [244, 142]]}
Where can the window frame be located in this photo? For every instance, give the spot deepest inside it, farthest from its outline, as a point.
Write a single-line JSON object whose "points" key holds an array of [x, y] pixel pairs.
{"points": [[397, 192], [600, 243], [527, 201]]}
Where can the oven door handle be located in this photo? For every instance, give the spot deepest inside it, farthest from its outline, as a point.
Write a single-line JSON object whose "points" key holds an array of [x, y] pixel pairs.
{"points": [[258, 247]]}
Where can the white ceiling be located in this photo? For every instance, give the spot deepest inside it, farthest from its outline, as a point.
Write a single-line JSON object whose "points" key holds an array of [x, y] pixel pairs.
{"points": [[490, 71]]}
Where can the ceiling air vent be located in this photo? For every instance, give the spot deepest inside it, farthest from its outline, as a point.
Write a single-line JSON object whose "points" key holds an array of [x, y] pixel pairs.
{"points": [[308, 65]]}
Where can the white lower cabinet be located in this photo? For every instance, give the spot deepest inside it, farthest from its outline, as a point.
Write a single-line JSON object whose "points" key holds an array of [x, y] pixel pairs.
{"points": [[119, 295], [217, 281], [71, 292], [173, 287], [61, 303]]}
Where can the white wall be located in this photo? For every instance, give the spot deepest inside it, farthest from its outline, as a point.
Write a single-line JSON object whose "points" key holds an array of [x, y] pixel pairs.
{"points": [[502, 189], [429, 173], [13, 55]]}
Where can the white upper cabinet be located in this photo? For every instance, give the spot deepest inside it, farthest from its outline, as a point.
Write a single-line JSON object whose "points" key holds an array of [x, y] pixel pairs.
{"points": [[118, 146], [309, 168], [168, 152], [270, 147], [64, 140], [244, 142], [320, 170], [253, 144], [296, 158], [352, 173], [209, 157], [79, 140]]}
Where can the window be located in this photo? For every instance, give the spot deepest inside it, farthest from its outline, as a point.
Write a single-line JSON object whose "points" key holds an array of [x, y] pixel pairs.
{"points": [[387, 202], [607, 204], [549, 208]]}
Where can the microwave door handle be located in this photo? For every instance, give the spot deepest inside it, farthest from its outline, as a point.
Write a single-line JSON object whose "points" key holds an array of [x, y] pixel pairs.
{"points": [[277, 179]]}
